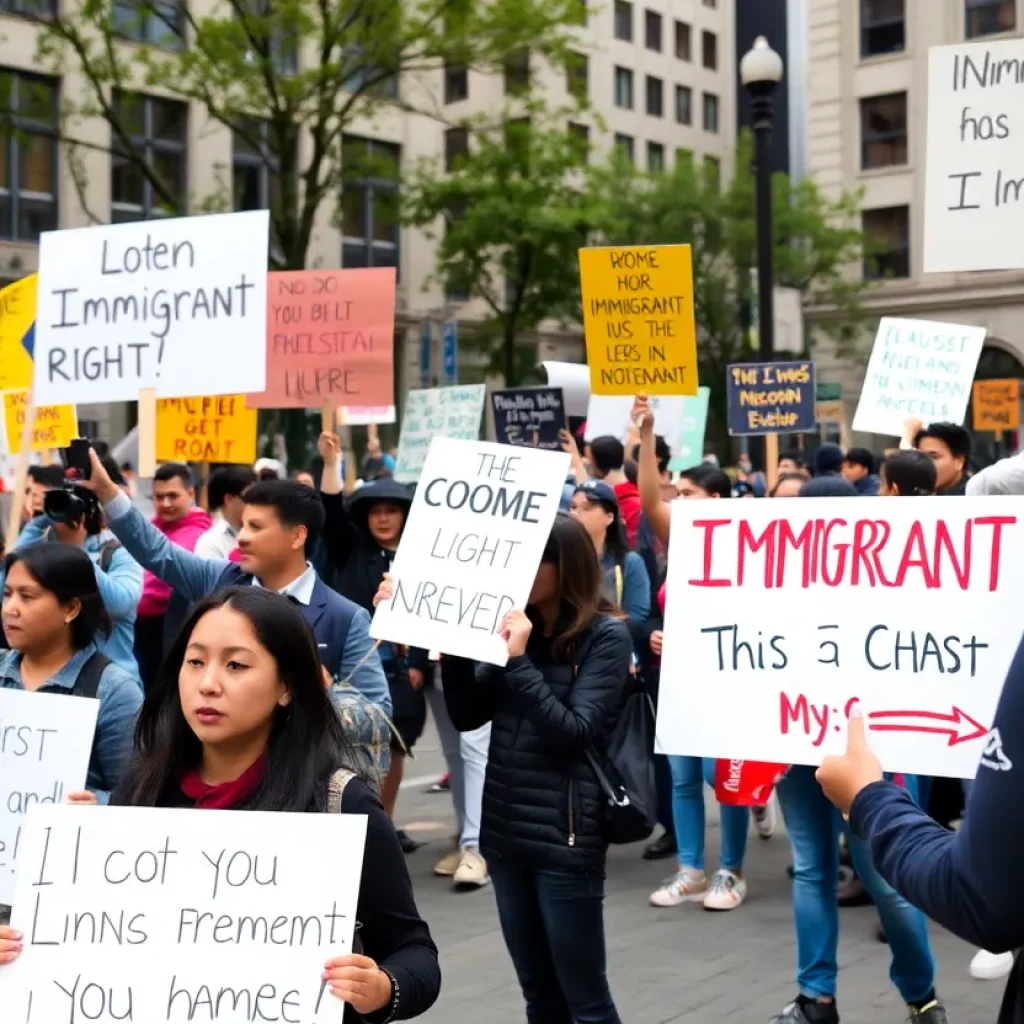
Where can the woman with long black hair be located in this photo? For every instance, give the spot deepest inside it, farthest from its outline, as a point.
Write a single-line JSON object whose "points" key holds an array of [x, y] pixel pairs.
{"points": [[559, 695], [239, 719]]}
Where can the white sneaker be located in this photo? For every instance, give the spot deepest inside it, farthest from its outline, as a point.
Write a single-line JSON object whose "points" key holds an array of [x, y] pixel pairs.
{"points": [[472, 870], [727, 891], [991, 966], [765, 818], [686, 886], [448, 864]]}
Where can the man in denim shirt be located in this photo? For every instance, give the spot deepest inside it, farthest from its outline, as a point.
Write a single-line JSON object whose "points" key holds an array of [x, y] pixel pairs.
{"points": [[281, 522]]}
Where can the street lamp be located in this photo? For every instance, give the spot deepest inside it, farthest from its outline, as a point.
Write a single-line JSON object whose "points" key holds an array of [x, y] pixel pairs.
{"points": [[761, 72]]}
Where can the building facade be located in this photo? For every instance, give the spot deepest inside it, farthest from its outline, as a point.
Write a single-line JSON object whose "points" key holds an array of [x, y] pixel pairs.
{"points": [[660, 74], [866, 130]]}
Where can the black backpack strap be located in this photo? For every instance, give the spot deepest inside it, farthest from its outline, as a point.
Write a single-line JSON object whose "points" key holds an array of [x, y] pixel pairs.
{"points": [[88, 682], [107, 554]]}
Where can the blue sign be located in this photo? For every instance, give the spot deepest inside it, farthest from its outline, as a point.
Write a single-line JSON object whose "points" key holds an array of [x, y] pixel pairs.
{"points": [[426, 352], [450, 340], [29, 341], [770, 398]]}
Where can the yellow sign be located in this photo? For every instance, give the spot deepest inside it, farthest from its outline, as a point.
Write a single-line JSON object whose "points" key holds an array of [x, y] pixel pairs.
{"points": [[17, 314], [55, 425], [638, 318], [996, 404], [216, 429]]}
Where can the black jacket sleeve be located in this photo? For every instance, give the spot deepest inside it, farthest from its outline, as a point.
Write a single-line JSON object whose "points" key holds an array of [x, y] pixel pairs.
{"points": [[470, 692], [967, 881], [339, 534], [392, 932], [601, 677]]}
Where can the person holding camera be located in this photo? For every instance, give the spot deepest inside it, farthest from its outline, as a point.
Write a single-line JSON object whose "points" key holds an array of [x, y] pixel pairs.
{"points": [[72, 515]]}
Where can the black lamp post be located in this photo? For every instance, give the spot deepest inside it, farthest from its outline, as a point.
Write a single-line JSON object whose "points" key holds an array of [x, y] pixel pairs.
{"points": [[761, 72]]}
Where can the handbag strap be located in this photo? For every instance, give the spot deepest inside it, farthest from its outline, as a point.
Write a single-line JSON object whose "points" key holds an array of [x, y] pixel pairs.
{"points": [[336, 788]]}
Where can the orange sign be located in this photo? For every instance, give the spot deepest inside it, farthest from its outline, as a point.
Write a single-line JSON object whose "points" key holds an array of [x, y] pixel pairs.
{"points": [[330, 335], [996, 404], [215, 429]]}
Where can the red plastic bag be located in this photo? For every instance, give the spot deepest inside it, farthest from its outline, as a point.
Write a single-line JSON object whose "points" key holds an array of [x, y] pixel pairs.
{"points": [[746, 783]]}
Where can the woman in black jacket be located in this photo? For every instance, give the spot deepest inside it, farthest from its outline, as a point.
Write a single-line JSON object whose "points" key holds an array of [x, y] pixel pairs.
{"points": [[543, 812]]}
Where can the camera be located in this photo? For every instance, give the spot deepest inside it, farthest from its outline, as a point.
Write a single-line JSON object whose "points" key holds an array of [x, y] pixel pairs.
{"points": [[69, 504]]}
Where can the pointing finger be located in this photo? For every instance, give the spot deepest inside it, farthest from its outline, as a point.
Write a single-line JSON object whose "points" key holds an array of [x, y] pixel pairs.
{"points": [[855, 738]]}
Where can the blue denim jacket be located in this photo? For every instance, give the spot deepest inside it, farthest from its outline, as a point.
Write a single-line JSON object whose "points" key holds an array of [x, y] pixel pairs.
{"points": [[120, 698], [120, 587]]}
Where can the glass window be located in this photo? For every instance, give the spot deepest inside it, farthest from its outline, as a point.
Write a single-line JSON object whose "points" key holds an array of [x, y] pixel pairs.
{"points": [[256, 172], [684, 41], [32, 8], [889, 233], [28, 170], [456, 146], [684, 157], [655, 96], [157, 130], [709, 50], [655, 157], [456, 83], [624, 144], [577, 75], [684, 104], [711, 3], [624, 88], [580, 133], [882, 27], [517, 72], [624, 21], [989, 17], [710, 112], [369, 202], [158, 22], [883, 131], [713, 171], [652, 30]]}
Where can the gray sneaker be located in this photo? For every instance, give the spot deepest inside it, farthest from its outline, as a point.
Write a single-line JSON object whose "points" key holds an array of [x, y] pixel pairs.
{"points": [[933, 1013]]}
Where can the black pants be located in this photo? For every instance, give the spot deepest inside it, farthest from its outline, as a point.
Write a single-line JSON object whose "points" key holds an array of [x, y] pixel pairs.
{"points": [[553, 925], [149, 649]]}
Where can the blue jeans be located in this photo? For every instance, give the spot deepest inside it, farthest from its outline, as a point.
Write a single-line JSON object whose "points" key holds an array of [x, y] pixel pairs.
{"points": [[814, 825], [553, 925], [688, 777]]}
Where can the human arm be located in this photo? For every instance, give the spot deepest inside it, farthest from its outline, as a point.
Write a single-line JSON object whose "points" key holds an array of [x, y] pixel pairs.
{"points": [[579, 470], [32, 532], [470, 692], [360, 663], [120, 698], [120, 585], [648, 477], [636, 592]]}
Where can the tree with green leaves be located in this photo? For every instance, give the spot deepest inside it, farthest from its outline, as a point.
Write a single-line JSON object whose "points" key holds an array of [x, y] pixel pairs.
{"points": [[816, 240], [508, 221]]}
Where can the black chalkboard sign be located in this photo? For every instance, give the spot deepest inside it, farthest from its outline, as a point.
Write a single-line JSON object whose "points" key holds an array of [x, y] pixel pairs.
{"points": [[529, 416]]}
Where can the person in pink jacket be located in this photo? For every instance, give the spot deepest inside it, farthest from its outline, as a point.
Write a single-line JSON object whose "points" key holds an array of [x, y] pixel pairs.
{"points": [[182, 523]]}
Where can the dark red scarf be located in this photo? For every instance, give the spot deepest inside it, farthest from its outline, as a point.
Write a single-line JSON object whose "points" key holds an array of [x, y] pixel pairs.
{"points": [[225, 795]]}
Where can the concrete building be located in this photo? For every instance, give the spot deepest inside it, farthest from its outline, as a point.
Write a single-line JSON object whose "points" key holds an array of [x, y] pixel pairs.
{"points": [[867, 121], [660, 74]]}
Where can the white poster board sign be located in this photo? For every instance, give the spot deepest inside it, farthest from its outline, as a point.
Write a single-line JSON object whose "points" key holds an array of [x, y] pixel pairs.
{"points": [[436, 412], [178, 304], [364, 415], [574, 380], [608, 416], [45, 743], [779, 622], [471, 546], [974, 184], [181, 915], [919, 369]]}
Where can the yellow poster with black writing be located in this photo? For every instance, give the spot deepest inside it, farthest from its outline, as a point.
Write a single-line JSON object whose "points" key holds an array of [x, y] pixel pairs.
{"points": [[17, 314], [216, 429], [55, 426], [638, 318]]}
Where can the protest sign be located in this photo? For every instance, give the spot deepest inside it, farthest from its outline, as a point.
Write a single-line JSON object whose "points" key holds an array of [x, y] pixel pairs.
{"points": [[832, 411], [360, 416], [689, 451], [529, 416], [330, 335], [471, 546], [17, 314], [974, 207], [638, 318], [218, 428], [145, 914], [770, 398], [54, 426], [436, 412], [574, 380], [907, 608], [45, 743], [179, 305], [608, 416], [996, 404], [919, 369]]}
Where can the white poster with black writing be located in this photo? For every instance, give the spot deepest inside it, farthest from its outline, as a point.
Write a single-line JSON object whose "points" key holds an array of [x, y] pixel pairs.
{"points": [[471, 547], [45, 743], [139, 913], [179, 305]]}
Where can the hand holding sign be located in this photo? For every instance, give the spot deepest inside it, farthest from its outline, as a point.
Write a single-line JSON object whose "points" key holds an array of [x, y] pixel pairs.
{"points": [[358, 981], [843, 777], [515, 631], [642, 416], [11, 942]]}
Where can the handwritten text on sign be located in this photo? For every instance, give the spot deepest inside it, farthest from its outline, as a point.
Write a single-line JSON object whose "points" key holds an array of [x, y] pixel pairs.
{"points": [[909, 608], [638, 317], [770, 398], [919, 369], [181, 915], [330, 334], [974, 184], [217, 428], [533, 417], [436, 412], [470, 550], [55, 425], [45, 742], [179, 305], [996, 404]]}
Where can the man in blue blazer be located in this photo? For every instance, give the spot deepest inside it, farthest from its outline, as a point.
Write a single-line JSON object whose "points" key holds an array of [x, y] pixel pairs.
{"points": [[281, 522]]}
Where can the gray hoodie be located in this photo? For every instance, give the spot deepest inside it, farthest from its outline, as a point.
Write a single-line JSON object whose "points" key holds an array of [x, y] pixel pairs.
{"points": [[1003, 477]]}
